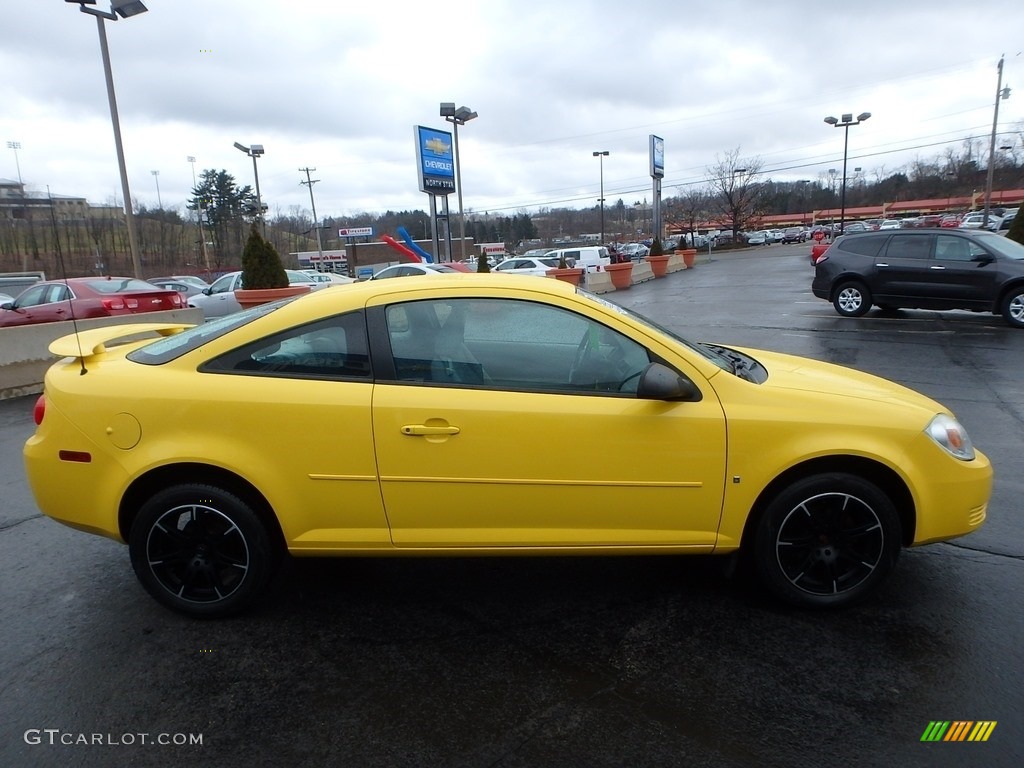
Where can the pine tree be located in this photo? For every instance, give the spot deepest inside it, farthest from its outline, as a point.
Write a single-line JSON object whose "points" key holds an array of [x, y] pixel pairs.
{"points": [[261, 264], [1016, 231]]}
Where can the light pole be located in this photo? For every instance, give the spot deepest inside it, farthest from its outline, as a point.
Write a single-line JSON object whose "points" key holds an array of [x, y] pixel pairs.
{"points": [[255, 151], [846, 122], [16, 145], [458, 117], [601, 156], [1001, 93], [124, 9], [802, 186], [199, 217], [156, 178]]}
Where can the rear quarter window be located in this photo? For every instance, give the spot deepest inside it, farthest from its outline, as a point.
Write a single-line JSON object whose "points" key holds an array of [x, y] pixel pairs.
{"points": [[863, 246]]}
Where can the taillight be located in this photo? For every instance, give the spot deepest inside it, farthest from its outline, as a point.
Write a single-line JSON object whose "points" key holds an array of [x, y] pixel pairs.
{"points": [[39, 410], [113, 304], [820, 259], [177, 300], [131, 303]]}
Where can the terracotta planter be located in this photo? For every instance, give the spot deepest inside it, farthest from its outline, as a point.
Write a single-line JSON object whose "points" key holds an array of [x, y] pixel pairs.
{"points": [[252, 298], [688, 254], [659, 264], [570, 275], [621, 274]]}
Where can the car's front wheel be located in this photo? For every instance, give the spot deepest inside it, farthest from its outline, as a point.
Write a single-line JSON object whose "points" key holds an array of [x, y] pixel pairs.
{"points": [[1013, 307], [852, 299], [827, 540], [201, 550]]}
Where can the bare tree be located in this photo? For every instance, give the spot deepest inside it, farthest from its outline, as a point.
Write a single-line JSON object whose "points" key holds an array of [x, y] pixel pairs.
{"points": [[735, 189], [689, 208]]}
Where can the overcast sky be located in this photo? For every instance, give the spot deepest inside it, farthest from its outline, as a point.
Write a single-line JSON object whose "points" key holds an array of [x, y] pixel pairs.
{"points": [[338, 85]]}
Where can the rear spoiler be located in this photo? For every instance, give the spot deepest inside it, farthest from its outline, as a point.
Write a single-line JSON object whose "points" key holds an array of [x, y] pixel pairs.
{"points": [[93, 342]]}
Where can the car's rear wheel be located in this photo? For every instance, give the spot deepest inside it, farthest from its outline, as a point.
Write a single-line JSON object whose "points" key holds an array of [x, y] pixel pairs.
{"points": [[852, 299], [201, 550], [1013, 307], [827, 541]]}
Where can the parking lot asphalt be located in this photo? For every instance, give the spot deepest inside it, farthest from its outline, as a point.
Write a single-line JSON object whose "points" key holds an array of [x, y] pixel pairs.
{"points": [[550, 661]]}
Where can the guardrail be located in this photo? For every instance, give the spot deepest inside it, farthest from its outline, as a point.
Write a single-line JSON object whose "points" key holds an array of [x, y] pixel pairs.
{"points": [[24, 356]]}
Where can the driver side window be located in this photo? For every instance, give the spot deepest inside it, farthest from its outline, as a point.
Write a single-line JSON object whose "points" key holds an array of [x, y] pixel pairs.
{"points": [[511, 344]]}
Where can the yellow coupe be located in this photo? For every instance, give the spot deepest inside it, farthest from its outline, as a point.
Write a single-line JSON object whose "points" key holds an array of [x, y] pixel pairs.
{"points": [[484, 414]]}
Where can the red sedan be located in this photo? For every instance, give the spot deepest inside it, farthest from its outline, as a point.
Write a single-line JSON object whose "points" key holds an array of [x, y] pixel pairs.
{"points": [[82, 297]]}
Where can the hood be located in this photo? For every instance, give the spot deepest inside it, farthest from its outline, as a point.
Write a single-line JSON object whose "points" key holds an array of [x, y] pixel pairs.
{"points": [[801, 374]]}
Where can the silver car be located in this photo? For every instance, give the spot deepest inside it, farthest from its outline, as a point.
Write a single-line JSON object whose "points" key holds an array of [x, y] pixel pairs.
{"points": [[219, 299]]}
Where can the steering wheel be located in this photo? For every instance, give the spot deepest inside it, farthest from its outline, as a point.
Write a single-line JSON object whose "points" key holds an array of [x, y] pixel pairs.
{"points": [[605, 365], [583, 353]]}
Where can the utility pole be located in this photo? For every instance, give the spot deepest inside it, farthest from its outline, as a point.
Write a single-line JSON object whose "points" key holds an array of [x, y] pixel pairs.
{"points": [[1001, 93], [316, 222]]}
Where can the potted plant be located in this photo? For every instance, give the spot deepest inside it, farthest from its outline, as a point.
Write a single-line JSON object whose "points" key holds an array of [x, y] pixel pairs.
{"points": [[657, 258], [263, 275], [564, 272], [688, 254], [621, 273]]}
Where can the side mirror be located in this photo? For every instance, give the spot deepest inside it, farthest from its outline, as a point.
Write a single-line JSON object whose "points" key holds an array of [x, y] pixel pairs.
{"points": [[7, 305], [659, 382], [983, 258]]}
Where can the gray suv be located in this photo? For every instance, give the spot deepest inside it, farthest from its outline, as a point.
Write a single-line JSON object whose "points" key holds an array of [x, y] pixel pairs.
{"points": [[924, 269]]}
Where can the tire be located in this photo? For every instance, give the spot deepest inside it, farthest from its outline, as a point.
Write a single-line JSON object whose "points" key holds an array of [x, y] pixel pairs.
{"points": [[852, 299], [201, 551], [1013, 307], [827, 541]]}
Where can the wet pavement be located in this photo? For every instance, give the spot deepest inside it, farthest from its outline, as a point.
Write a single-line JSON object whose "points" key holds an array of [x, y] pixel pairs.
{"points": [[550, 662]]}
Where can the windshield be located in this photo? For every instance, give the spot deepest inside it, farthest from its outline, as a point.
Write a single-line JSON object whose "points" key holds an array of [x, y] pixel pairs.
{"points": [[119, 285], [171, 347], [1001, 245]]}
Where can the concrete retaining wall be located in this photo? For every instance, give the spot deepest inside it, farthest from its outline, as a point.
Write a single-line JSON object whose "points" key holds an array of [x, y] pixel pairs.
{"points": [[24, 356]]}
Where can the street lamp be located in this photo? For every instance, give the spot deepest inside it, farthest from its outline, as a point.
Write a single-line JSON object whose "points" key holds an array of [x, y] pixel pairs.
{"points": [[601, 156], [16, 145], [255, 151], [458, 117], [156, 178], [846, 122], [124, 9]]}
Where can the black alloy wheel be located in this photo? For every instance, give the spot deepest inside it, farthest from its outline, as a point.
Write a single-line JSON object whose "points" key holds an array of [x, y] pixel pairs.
{"points": [[200, 550], [827, 541]]}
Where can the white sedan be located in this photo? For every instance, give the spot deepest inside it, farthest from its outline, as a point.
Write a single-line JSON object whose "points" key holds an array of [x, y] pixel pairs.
{"points": [[323, 279], [219, 299], [527, 265], [419, 268]]}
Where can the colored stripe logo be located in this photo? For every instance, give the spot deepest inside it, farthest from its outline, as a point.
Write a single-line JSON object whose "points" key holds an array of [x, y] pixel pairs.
{"points": [[958, 730]]}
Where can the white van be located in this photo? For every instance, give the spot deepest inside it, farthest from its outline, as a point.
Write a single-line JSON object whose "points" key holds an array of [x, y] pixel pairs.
{"points": [[590, 257]]}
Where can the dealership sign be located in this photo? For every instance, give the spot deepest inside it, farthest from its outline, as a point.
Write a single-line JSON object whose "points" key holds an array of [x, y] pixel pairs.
{"points": [[356, 232], [435, 161]]}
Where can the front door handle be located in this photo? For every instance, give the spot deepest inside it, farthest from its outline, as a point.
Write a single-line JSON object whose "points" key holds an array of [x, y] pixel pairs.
{"points": [[416, 430], [936, 266]]}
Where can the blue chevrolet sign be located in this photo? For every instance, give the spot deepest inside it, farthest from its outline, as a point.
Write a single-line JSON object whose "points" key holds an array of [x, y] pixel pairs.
{"points": [[435, 161]]}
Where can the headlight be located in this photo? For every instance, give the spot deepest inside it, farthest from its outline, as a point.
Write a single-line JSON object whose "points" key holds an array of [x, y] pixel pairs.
{"points": [[950, 434]]}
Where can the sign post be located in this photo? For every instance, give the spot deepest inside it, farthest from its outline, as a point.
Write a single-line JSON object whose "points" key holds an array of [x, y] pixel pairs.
{"points": [[435, 168]]}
